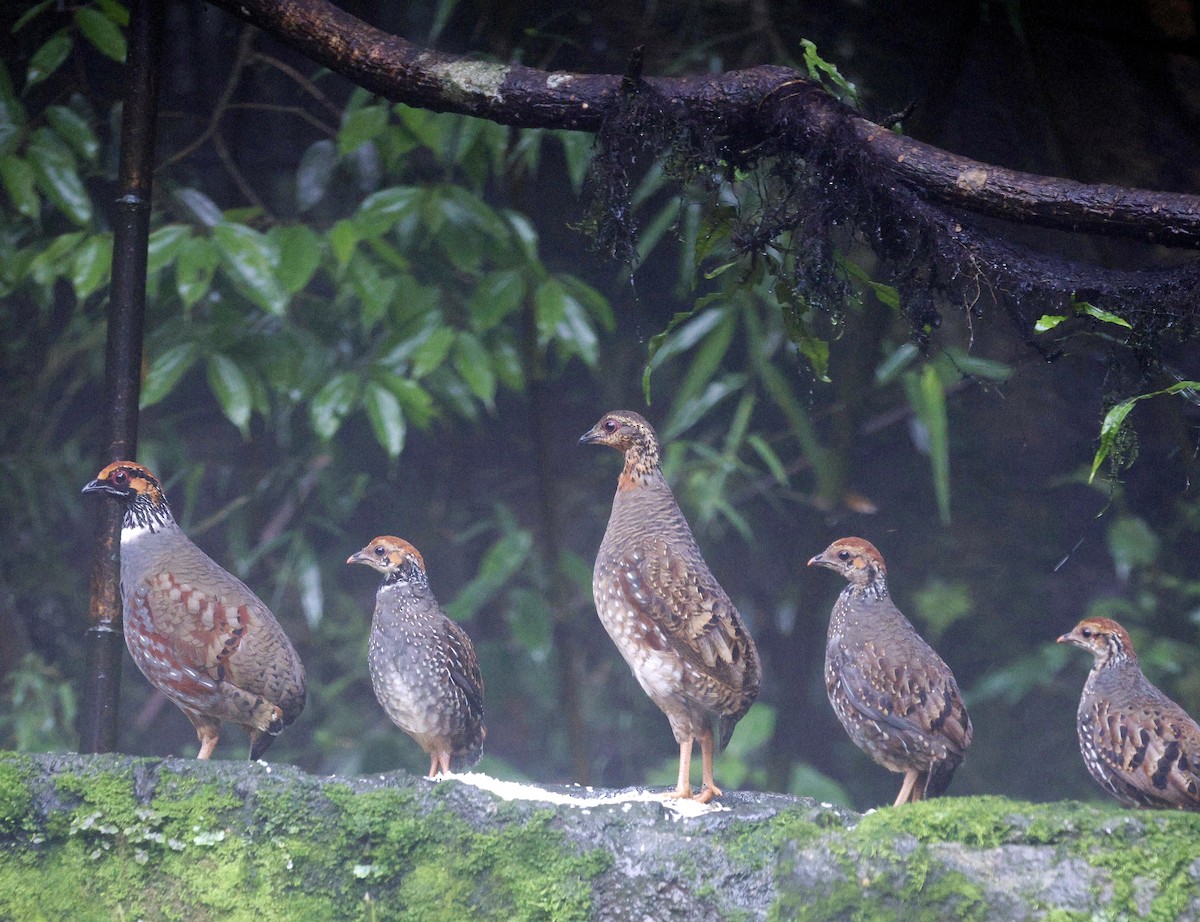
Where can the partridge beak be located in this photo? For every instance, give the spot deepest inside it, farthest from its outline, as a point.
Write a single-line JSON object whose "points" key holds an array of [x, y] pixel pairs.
{"points": [[358, 557], [589, 437], [1065, 638], [818, 561], [100, 486]]}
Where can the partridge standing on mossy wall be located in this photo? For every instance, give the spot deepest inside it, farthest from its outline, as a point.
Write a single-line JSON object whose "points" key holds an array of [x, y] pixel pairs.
{"points": [[423, 665], [668, 616], [1138, 744], [894, 695], [195, 631]]}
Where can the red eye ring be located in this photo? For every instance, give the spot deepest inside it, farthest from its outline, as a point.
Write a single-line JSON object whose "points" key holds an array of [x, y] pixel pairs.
{"points": [[120, 478], [610, 425]]}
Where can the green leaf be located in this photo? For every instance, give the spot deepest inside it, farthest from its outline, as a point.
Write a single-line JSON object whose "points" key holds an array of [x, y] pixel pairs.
{"points": [[74, 129], [1048, 322], [827, 74], [432, 351], [471, 361], [232, 389], [1132, 544], [940, 604], [414, 400], [55, 260], [56, 174], [17, 176], [575, 331], [501, 561], [114, 10], [299, 250], [92, 264], [29, 15], [374, 291], [1100, 314], [101, 32], [549, 309], [360, 126], [343, 239], [577, 149], [387, 419], [900, 360], [165, 372], [47, 59], [928, 400], [769, 458], [332, 402], [164, 246], [204, 209], [250, 259], [496, 295], [194, 269], [382, 210], [314, 172]]}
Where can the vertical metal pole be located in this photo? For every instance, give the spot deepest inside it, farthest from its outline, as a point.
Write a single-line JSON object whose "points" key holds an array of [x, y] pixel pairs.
{"points": [[123, 365]]}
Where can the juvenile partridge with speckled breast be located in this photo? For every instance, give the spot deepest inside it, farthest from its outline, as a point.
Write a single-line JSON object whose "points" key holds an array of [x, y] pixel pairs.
{"points": [[423, 665], [194, 630], [668, 616], [893, 694], [1138, 744]]}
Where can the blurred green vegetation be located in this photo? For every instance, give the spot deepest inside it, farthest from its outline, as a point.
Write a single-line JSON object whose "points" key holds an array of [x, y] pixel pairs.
{"points": [[365, 318]]}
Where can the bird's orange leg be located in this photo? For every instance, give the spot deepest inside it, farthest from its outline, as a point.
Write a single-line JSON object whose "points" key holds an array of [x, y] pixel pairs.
{"points": [[208, 741], [908, 787], [683, 787], [708, 788]]}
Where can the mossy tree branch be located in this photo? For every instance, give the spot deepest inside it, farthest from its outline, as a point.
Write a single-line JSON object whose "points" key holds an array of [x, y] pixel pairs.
{"points": [[743, 108]]}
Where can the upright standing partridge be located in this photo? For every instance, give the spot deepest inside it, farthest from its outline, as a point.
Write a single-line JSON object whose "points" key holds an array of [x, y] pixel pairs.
{"points": [[1138, 744], [891, 691], [668, 616], [423, 666], [195, 631]]}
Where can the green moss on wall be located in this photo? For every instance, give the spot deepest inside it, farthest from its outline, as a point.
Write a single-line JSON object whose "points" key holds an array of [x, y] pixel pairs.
{"points": [[188, 851]]}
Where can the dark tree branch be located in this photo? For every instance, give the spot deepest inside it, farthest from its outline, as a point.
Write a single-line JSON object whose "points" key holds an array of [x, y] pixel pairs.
{"points": [[744, 107]]}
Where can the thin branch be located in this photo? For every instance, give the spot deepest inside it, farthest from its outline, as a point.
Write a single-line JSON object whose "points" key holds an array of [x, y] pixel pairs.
{"points": [[747, 107]]}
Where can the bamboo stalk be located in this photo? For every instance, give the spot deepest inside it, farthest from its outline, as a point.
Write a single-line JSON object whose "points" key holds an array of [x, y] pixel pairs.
{"points": [[123, 365]]}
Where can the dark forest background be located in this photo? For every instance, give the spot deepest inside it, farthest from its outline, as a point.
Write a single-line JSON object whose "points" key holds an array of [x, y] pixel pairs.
{"points": [[368, 319]]}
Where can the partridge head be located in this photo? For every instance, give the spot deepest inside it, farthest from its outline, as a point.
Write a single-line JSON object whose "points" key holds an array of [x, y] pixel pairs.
{"points": [[423, 666], [891, 692], [1138, 744], [668, 616], [195, 631]]}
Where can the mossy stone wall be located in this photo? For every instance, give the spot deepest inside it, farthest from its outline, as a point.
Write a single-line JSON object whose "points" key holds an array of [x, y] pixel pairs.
{"points": [[114, 837]]}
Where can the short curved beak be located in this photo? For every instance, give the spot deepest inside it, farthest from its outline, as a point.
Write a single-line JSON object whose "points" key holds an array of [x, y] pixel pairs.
{"points": [[99, 486], [1065, 638], [358, 557], [818, 561], [588, 437]]}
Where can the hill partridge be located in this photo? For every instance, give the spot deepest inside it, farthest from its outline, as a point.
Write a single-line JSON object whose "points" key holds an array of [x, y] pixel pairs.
{"points": [[667, 615], [423, 665], [1138, 744], [195, 631], [893, 694]]}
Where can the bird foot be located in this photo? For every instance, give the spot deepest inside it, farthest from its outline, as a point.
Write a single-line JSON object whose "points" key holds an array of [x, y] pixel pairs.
{"points": [[683, 793], [708, 792]]}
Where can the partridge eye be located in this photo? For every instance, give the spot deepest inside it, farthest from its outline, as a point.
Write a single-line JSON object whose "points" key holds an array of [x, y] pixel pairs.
{"points": [[610, 425], [380, 550], [1086, 632], [120, 478], [843, 555]]}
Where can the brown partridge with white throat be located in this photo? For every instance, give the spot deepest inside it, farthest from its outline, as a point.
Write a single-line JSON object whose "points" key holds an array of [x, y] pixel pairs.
{"points": [[194, 630]]}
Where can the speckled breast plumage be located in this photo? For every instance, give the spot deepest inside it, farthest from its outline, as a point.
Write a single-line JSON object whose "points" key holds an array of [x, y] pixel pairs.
{"points": [[423, 668]]}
